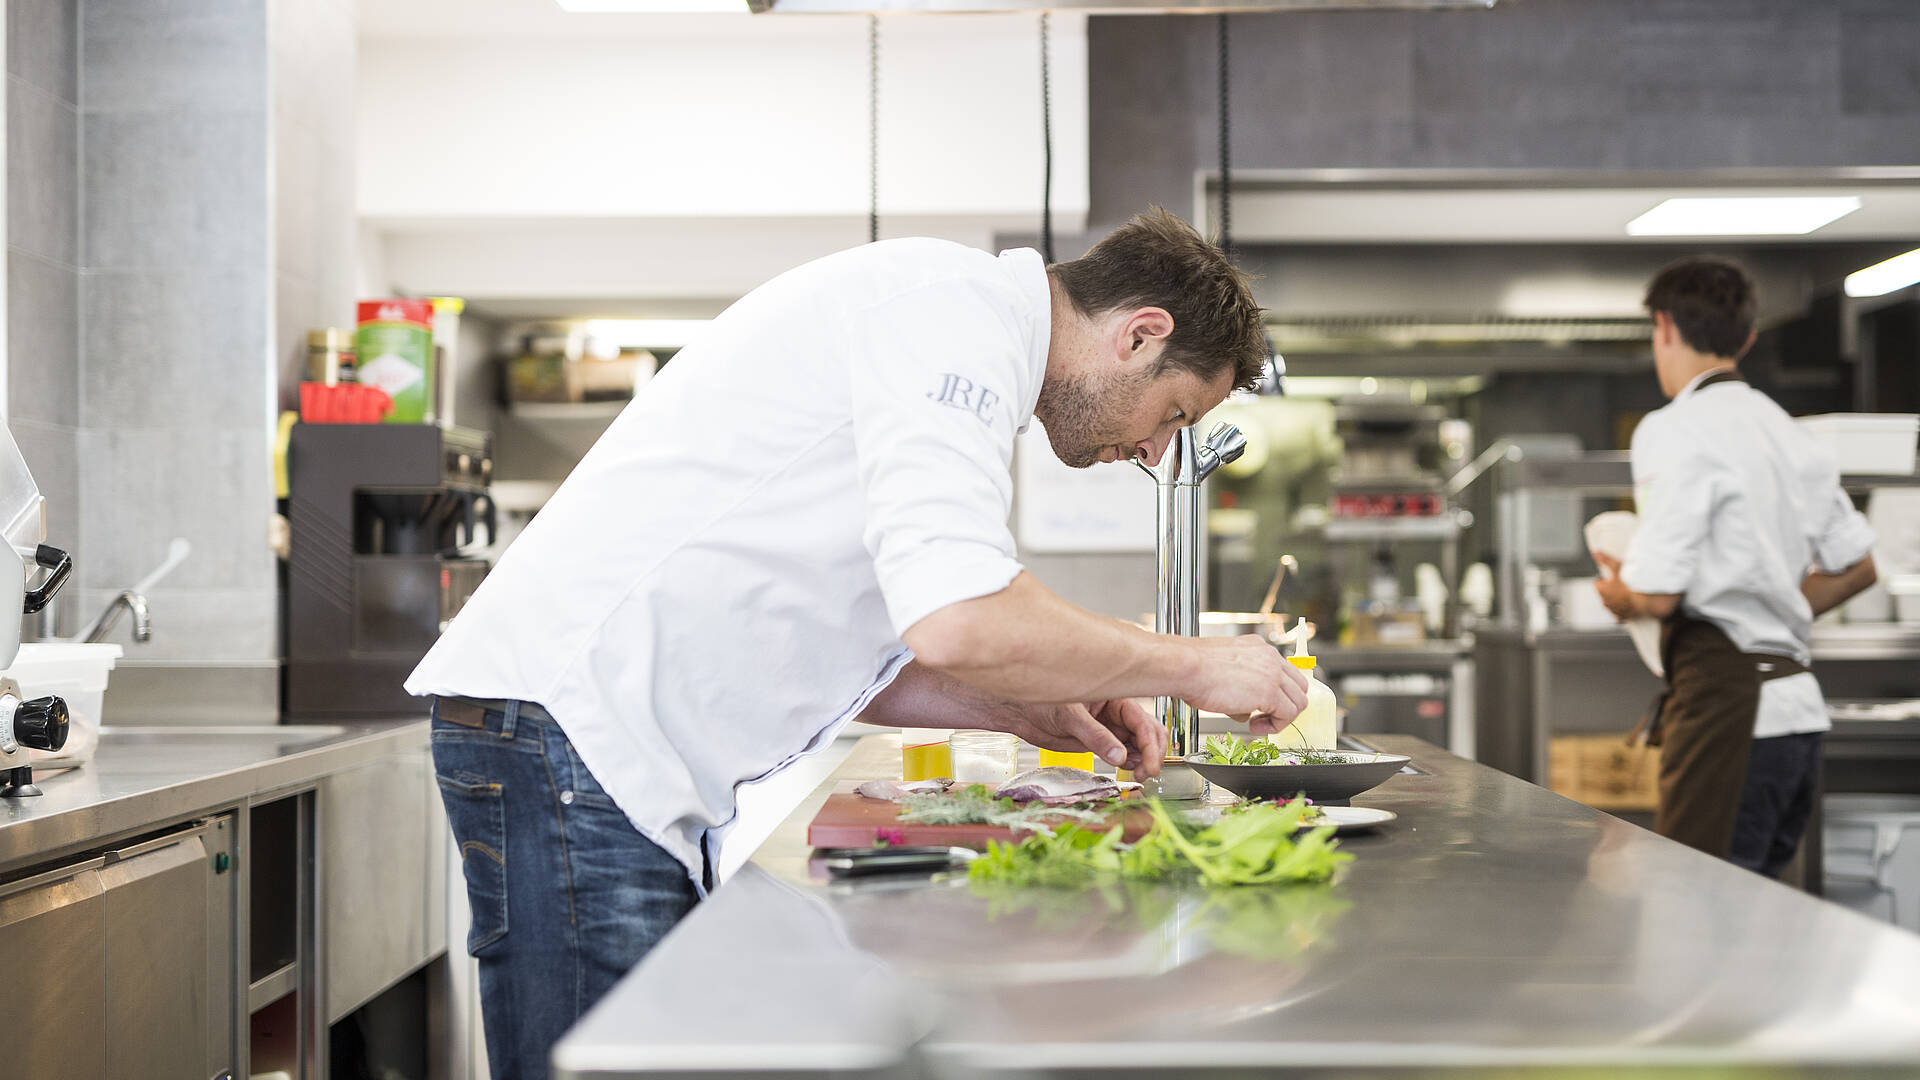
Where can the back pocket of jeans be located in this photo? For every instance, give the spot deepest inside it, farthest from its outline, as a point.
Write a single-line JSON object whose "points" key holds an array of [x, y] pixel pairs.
{"points": [[477, 811]]}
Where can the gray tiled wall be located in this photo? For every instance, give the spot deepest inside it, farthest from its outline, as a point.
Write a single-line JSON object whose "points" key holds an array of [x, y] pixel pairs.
{"points": [[43, 279], [176, 382], [1630, 84]]}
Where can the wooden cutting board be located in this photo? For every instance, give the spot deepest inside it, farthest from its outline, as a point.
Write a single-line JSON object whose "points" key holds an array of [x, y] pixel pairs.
{"points": [[851, 820]]}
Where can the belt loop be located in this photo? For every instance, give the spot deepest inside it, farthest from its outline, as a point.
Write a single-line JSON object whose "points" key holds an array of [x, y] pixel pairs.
{"points": [[510, 717]]}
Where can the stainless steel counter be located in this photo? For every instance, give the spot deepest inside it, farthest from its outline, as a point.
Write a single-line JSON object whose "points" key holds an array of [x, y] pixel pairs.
{"points": [[1494, 925], [142, 777]]}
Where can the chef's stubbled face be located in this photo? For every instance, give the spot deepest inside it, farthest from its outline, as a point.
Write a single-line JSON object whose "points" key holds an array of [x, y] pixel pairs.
{"points": [[1096, 418]]}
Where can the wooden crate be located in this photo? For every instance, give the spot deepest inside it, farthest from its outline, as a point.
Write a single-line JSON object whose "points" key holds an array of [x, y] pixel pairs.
{"points": [[1604, 772]]}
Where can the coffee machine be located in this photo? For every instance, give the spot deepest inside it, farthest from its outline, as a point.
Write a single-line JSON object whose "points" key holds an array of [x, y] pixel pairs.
{"points": [[40, 724], [381, 519]]}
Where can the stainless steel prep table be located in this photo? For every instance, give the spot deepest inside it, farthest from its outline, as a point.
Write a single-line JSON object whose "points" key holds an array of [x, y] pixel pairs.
{"points": [[1494, 925], [144, 777]]}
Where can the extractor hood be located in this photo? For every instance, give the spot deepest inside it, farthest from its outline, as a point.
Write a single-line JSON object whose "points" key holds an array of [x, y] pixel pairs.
{"points": [[1099, 7]]}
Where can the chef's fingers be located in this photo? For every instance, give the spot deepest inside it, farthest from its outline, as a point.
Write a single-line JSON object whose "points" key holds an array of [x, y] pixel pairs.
{"points": [[1083, 726], [1137, 726]]}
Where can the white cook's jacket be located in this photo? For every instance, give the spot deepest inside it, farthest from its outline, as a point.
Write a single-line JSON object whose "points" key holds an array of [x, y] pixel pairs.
{"points": [[1736, 504], [723, 581]]}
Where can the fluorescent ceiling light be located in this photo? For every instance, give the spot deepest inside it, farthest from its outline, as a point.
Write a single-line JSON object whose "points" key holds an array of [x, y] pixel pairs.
{"points": [[1881, 278], [645, 333], [657, 7], [1742, 215]]}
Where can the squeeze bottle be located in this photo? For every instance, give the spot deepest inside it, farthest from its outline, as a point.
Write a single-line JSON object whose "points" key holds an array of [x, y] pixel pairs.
{"points": [[1316, 726]]}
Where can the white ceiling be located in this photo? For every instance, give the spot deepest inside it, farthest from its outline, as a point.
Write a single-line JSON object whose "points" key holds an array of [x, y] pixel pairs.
{"points": [[443, 19]]}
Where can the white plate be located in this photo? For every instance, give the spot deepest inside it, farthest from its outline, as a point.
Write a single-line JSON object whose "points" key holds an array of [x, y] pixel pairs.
{"points": [[1345, 819]]}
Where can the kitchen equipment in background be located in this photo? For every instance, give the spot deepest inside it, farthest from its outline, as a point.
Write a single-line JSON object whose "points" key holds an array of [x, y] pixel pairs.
{"points": [[446, 356], [394, 349], [1397, 702], [1905, 590], [343, 403], [1287, 562], [40, 723], [76, 673], [134, 600], [383, 521], [1868, 444], [330, 356], [1184, 466], [1271, 625]]}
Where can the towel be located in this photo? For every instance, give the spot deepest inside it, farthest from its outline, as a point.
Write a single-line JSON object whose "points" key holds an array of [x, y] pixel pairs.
{"points": [[1609, 534]]}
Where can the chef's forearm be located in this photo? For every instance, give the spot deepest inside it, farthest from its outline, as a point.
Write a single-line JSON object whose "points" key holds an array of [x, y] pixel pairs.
{"points": [[922, 697], [1824, 592], [1027, 644]]}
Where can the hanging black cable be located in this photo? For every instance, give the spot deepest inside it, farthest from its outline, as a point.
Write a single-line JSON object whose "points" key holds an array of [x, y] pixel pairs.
{"points": [[1046, 137], [873, 128], [1226, 174]]}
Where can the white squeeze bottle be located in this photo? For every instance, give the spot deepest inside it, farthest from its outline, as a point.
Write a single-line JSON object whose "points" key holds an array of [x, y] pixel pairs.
{"points": [[1316, 726]]}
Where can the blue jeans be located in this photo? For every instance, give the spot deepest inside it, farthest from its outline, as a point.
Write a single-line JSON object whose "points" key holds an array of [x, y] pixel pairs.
{"points": [[1783, 773], [566, 894]]}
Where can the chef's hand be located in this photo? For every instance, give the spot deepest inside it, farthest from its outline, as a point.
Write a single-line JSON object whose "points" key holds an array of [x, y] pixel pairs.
{"points": [[1613, 592], [1119, 732], [1247, 679]]}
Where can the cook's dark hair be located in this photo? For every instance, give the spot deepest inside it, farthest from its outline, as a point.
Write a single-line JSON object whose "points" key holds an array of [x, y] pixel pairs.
{"points": [[1711, 301], [1158, 260]]}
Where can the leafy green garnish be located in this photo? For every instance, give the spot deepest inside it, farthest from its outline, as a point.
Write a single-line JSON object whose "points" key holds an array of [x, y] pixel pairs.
{"points": [[1227, 750], [1256, 844]]}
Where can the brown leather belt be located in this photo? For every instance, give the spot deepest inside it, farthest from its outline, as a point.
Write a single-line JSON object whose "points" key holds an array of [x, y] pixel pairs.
{"points": [[472, 712]]}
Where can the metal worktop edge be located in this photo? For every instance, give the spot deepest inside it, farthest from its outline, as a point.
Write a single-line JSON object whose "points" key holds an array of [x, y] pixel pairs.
{"points": [[124, 791]]}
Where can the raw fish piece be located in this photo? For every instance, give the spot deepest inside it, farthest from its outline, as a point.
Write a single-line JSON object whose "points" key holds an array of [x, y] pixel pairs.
{"points": [[1061, 785], [895, 790]]}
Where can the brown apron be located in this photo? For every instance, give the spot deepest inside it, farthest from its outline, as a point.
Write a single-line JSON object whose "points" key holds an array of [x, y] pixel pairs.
{"points": [[1703, 725]]}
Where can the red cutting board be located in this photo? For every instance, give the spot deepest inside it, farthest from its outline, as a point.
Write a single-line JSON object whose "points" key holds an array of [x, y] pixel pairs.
{"points": [[851, 820]]}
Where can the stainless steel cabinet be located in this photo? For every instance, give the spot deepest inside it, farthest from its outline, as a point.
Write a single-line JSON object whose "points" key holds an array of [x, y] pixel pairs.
{"points": [[128, 953], [383, 876]]}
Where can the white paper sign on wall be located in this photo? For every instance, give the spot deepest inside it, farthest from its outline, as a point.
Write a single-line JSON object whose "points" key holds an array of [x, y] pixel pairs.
{"points": [[1105, 508]]}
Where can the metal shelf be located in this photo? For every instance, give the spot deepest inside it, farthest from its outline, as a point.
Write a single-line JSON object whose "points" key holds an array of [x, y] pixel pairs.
{"points": [[1446, 527], [265, 991], [537, 411]]}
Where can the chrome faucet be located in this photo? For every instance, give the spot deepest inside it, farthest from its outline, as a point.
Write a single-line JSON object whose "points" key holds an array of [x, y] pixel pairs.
{"points": [[128, 600], [1177, 478]]}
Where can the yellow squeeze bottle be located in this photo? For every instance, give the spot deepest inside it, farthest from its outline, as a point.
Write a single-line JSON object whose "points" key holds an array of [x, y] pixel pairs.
{"points": [[1317, 726], [1076, 759]]}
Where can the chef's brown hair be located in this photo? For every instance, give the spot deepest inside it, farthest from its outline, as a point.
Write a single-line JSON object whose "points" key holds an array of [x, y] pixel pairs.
{"points": [[1711, 301], [1158, 260]]}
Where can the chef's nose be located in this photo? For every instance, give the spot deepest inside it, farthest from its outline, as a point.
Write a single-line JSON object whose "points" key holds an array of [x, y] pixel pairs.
{"points": [[1150, 450]]}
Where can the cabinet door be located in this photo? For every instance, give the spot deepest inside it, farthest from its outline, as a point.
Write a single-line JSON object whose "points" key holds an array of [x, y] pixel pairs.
{"points": [[159, 998], [52, 938], [381, 887]]}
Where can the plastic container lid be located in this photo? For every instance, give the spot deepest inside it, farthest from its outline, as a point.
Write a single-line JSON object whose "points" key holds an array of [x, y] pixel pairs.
{"points": [[85, 664]]}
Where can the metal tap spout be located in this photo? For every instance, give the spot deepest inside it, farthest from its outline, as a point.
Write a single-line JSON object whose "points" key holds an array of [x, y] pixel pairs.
{"points": [[1177, 479], [128, 600]]}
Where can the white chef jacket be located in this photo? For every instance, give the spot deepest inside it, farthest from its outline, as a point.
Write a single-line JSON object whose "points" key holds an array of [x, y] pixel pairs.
{"points": [[1736, 504], [723, 581]]}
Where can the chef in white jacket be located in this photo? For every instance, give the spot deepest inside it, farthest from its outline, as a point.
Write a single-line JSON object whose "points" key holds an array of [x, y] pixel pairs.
{"points": [[1745, 536], [802, 521]]}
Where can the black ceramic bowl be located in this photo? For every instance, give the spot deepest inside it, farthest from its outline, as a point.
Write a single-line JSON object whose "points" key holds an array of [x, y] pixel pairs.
{"points": [[1332, 783]]}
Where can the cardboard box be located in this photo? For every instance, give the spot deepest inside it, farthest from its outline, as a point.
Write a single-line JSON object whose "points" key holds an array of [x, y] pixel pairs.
{"points": [[1604, 772]]}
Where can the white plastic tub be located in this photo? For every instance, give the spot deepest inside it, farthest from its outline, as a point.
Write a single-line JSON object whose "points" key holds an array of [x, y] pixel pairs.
{"points": [[77, 673], [1868, 444], [1906, 598]]}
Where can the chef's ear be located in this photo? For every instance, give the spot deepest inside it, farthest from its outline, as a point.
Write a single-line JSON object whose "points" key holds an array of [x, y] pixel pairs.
{"points": [[1752, 336], [1144, 328]]}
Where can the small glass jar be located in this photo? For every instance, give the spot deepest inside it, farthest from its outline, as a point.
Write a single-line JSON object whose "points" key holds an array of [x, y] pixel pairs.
{"points": [[983, 757]]}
